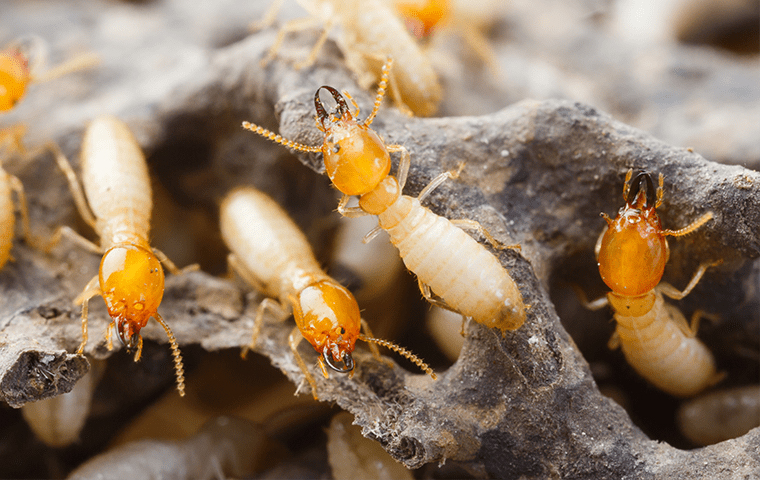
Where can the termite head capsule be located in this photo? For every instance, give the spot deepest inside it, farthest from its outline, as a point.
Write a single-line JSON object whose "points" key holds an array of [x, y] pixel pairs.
{"points": [[633, 250], [329, 318], [132, 285], [355, 157], [14, 77]]}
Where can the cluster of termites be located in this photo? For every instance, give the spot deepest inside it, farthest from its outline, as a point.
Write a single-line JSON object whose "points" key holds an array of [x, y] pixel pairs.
{"points": [[453, 270]]}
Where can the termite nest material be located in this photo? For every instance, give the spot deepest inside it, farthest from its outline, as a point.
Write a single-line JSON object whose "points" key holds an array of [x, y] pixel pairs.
{"points": [[526, 403]]}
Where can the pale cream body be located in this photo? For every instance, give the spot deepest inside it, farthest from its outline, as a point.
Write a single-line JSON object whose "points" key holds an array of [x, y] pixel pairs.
{"points": [[371, 28], [658, 349], [457, 268], [116, 182], [268, 243]]}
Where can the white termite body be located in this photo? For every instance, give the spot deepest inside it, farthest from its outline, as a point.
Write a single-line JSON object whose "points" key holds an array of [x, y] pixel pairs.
{"points": [[118, 207], [657, 347], [116, 183], [369, 32], [720, 415], [466, 276], [268, 243]]}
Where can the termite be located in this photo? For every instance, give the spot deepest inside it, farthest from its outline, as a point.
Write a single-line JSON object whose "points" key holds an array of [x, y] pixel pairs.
{"points": [[10, 141], [270, 253], [117, 206], [465, 276], [654, 336], [720, 415], [369, 32], [17, 72]]}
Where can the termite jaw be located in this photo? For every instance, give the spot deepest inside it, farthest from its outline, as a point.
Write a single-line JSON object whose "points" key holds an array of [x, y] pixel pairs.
{"points": [[348, 361]]}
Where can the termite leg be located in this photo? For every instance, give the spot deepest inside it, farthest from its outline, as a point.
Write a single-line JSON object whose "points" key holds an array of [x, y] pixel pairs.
{"points": [[595, 305], [371, 235], [479, 44], [428, 295], [109, 332], [235, 265], [23, 207], [66, 231], [372, 347], [90, 290], [614, 342], [81, 61], [277, 309], [689, 329], [434, 183], [475, 226], [267, 20], [74, 186], [674, 293], [293, 340], [349, 212], [171, 266], [403, 164], [392, 84], [292, 26]]}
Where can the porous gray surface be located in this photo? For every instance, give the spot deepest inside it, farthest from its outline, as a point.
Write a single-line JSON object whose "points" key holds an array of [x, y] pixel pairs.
{"points": [[538, 172]]}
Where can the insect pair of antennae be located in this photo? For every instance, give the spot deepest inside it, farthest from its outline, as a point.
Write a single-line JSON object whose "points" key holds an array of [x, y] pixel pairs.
{"points": [[178, 367], [403, 352]]}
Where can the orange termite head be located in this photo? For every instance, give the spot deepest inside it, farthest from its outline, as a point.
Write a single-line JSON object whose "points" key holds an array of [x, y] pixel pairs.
{"points": [[132, 285], [14, 77], [634, 250], [421, 18], [356, 159], [328, 316]]}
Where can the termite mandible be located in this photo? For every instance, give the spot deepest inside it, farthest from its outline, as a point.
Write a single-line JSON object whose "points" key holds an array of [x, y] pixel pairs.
{"points": [[465, 276], [271, 254], [654, 336], [117, 206]]}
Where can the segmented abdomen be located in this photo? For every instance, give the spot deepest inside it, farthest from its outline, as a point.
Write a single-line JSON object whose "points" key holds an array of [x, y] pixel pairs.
{"points": [[659, 351], [116, 182], [268, 243], [456, 267]]}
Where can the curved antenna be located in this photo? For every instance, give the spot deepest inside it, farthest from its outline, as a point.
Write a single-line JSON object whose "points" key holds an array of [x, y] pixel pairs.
{"points": [[268, 134], [348, 362], [177, 355], [403, 352], [637, 182]]}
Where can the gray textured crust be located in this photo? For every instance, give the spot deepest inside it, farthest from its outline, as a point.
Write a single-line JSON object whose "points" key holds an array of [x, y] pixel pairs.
{"points": [[537, 173]]}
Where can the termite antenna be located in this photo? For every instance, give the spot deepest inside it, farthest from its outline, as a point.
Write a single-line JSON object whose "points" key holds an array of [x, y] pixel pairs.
{"points": [[177, 355], [403, 352], [279, 138], [380, 90]]}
